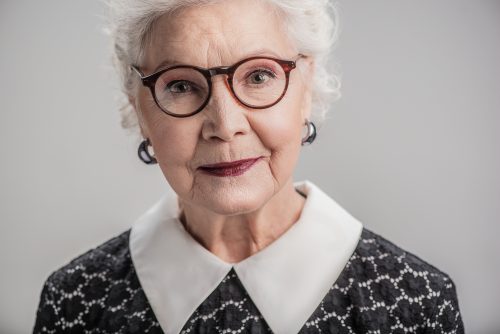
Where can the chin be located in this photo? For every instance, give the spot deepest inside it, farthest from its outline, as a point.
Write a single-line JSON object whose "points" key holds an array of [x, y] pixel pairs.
{"points": [[235, 201]]}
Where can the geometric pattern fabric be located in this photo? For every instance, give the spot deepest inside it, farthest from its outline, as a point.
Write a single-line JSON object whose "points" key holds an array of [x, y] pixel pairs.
{"points": [[382, 289]]}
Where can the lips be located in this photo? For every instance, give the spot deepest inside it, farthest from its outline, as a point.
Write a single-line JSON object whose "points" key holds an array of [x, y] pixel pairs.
{"points": [[233, 168]]}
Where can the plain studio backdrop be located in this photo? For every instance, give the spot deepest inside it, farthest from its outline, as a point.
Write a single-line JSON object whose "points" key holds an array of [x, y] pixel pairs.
{"points": [[411, 149]]}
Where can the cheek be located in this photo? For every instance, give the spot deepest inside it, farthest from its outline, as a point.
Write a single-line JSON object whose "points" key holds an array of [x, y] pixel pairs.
{"points": [[280, 131], [174, 142], [277, 133], [173, 145], [170, 136], [174, 149], [280, 127]]}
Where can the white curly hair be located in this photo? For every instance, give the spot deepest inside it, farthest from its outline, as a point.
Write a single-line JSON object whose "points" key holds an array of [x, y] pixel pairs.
{"points": [[311, 24]]}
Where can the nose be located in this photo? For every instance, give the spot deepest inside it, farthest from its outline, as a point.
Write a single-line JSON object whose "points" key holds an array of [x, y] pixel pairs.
{"points": [[225, 117]]}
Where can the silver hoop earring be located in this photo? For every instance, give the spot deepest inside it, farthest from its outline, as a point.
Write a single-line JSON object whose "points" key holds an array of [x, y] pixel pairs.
{"points": [[311, 133], [144, 154]]}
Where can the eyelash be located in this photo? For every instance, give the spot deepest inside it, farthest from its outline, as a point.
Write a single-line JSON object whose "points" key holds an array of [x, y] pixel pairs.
{"points": [[261, 70]]}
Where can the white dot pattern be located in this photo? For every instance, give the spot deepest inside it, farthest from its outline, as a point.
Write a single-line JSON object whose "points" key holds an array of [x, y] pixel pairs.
{"points": [[382, 289]]}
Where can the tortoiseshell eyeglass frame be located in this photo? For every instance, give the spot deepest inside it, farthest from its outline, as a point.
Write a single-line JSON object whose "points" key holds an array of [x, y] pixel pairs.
{"points": [[208, 73]]}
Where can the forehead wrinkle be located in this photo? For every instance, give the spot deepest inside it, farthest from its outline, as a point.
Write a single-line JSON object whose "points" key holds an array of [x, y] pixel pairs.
{"points": [[206, 50], [208, 53], [199, 40], [199, 37]]}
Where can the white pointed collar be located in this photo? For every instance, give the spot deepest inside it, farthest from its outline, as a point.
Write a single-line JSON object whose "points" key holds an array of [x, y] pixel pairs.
{"points": [[177, 273]]}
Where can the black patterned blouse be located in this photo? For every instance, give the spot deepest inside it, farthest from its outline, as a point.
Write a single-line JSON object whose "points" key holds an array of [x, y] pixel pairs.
{"points": [[381, 289]]}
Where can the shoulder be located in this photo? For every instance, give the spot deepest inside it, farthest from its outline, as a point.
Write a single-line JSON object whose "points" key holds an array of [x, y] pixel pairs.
{"points": [[390, 258], [98, 289], [111, 259], [377, 257], [394, 286]]}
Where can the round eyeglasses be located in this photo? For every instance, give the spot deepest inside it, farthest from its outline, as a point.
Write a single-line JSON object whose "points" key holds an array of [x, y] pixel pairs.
{"points": [[184, 90]]}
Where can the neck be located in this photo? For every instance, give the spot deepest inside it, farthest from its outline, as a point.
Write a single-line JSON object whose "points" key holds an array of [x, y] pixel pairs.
{"points": [[236, 237]]}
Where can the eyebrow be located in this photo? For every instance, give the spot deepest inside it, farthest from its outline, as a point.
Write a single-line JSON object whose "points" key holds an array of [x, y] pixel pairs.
{"points": [[259, 52]]}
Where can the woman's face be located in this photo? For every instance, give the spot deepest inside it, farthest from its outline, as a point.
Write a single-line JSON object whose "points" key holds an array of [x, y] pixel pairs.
{"points": [[225, 131]]}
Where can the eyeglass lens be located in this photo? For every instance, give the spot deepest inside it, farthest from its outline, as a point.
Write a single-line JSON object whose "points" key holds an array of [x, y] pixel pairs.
{"points": [[256, 83]]}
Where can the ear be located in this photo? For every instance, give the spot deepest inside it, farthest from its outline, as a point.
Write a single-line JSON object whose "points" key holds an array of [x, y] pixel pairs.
{"points": [[131, 100], [307, 71], [134, 108], [306, 104]]}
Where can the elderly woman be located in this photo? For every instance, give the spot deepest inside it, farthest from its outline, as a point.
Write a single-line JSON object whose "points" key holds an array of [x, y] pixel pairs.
{"points": [[223, 93]]}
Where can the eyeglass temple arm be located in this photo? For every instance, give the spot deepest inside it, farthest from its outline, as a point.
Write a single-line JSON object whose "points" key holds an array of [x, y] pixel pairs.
{"points": [[136, 70], [300, 55]]}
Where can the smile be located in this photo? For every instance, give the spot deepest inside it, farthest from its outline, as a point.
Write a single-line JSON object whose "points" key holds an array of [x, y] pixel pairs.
{"points": [[233, 168]]}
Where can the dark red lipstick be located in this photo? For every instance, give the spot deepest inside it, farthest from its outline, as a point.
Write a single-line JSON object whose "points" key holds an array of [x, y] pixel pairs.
{"points": [[233, 168]]}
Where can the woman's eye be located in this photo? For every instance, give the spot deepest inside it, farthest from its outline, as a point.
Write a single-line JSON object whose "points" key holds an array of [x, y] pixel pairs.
{"points": [[179, 86], [260, 77]]}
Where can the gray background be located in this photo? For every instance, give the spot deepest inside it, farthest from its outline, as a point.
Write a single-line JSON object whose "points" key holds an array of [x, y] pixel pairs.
{"points": [[411, 150]]}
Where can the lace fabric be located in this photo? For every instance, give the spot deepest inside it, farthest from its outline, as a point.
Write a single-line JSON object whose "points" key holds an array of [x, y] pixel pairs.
{"points": [[382, 289]]}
